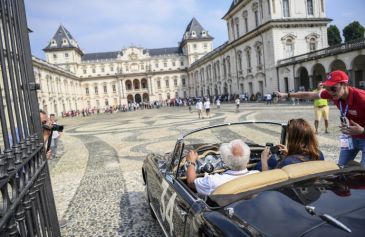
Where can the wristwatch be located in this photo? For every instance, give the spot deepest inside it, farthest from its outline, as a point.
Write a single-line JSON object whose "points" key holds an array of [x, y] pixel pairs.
{"points": [[189, 163]]}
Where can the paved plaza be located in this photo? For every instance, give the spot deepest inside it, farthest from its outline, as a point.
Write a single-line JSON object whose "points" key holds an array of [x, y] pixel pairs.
{"points": [[97, 179]]}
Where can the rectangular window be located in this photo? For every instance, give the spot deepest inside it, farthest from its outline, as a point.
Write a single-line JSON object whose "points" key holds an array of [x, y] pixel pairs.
{"points": [[54, 56], [261, 10], [105, 89], [96, 90], [111, 69], [246, 24], [268, 7], [165, 64], [158, 84], [66, 55], [174, 64], [183, 82], [84, 71], [256, 18], [102, 69], [114, 88], [182, 63], [167, 83], [238, 30], [273, 6], [286, 11], [87, 90], [156, 65], [94, 70], [175, 82], [310, 7], [194, 46]]}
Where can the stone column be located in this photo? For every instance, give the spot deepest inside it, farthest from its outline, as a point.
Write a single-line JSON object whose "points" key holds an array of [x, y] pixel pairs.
{"points": [[311, 82], [150, 87], [352, 81], [122, 89]]}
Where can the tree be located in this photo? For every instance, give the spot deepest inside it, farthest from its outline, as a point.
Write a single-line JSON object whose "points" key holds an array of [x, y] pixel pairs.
{"points": [[333, 35], [353, 31]]}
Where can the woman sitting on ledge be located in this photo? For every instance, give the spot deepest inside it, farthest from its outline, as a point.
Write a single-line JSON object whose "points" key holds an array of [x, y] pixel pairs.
{"points": [[302, 146]]}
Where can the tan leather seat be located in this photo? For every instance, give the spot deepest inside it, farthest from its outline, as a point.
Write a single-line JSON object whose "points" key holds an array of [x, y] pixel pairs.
{"points": [[308, 168], [251, 182], [270, 177]]}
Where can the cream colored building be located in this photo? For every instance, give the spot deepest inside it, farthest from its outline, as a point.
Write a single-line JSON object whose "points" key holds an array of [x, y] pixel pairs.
{"points": [[268, 42]]}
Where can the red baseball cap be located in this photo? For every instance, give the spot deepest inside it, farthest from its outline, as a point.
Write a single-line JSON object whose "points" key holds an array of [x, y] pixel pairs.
{"points": [[336, 77]]}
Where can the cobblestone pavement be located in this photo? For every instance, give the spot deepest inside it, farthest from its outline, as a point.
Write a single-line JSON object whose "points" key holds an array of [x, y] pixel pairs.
{"points": [[97, 179]]}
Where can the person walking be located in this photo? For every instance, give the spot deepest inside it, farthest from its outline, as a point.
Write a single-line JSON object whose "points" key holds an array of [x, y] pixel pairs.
{"points": [[207, 107], [237, 101], [218, 103], [55, 137], [351, 103], [199, 108], [321, 109]]}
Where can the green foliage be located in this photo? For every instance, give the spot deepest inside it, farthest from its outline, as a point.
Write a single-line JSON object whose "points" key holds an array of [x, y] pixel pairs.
{"points": [[353, 31], [333, 35]]}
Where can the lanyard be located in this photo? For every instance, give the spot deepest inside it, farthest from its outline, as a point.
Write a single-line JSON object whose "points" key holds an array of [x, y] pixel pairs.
{"points": [[343, 113]]}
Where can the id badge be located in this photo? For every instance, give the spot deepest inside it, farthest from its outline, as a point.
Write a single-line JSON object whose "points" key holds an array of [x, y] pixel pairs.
{"points": [[346, 142]]}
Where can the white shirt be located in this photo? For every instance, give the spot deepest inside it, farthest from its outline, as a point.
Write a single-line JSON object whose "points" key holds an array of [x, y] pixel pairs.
{"points": [[238, 101], [207, 184], [199, 105], [207, 105], [218, 102]]}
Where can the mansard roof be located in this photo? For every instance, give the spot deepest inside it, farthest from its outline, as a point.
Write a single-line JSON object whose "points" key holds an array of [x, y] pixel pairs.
{"points": [[61, 40], [100, 56], [164, 51], [233, 5], [195, 31], [114, 55]]}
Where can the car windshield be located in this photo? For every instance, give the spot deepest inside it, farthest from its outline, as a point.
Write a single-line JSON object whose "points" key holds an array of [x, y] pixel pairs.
{"points": [[253, 133]]}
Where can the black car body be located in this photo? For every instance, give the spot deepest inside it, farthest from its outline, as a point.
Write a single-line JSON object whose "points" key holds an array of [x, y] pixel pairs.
{"points": [[313, 199]]}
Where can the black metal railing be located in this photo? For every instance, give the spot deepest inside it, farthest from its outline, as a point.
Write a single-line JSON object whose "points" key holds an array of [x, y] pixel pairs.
{"points": [[27, 205], [334, 50]]}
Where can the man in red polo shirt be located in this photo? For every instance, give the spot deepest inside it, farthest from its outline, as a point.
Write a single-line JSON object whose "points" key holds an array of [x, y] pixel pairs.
{"points": [[351, 103]]}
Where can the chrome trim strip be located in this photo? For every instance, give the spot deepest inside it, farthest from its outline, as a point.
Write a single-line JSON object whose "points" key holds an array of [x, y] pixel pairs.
{"points": [[158, 219]]}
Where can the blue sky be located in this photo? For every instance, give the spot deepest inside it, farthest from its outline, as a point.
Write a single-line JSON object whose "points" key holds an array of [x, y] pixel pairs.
{"points": [[110, 25]]}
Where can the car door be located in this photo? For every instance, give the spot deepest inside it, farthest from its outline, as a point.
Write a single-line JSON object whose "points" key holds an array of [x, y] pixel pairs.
{"points": [[175, 200]]}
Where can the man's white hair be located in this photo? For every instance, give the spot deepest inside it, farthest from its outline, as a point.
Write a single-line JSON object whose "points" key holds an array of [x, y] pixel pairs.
{"points": [[239, 161]]}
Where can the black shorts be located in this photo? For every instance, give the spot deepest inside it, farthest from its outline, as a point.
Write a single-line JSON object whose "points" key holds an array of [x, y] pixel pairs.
{"points": [[207, 110]]}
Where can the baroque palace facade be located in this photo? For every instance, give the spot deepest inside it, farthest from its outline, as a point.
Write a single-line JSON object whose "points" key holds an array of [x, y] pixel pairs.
{"points": [[264, 37]]}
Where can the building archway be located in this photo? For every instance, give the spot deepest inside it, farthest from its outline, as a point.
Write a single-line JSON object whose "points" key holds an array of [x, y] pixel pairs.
{"points": [[130, 98], [225, 89], [302, 81], [137, 98], [146, 97], [358, 65], [144, 83], [319, 74], [338, 65], [136, 85], [128, 85]]}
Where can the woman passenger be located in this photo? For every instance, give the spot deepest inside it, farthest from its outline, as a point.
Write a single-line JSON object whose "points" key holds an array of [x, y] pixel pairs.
{"points": [[302, 146]]}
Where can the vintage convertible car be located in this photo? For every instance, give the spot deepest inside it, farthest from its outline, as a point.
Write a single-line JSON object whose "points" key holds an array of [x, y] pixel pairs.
{"points": [[315, 198]]}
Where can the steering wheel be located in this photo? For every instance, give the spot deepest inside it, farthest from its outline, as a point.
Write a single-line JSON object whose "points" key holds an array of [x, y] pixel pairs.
{"points": [[209, 151]]}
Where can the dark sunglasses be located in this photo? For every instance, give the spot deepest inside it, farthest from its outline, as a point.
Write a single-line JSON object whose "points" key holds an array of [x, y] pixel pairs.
{"points": [[332, 88]]}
